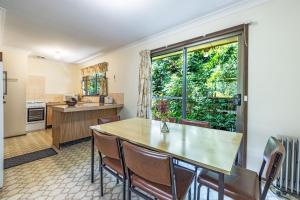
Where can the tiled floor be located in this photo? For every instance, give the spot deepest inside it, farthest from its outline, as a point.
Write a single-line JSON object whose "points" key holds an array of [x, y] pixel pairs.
{"points": [[28, 143], [64, 176]]}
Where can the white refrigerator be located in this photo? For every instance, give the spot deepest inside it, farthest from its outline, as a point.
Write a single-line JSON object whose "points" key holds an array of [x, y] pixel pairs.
{"points": [[1, 125]]}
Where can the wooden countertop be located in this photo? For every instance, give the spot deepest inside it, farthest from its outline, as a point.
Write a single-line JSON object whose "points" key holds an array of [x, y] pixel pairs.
{"points": [[210, 148], [85, 107], [55, 103]]}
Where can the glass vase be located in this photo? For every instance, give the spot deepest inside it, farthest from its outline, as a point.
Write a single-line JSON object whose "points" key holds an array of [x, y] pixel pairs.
{"points": [[164, 127]]}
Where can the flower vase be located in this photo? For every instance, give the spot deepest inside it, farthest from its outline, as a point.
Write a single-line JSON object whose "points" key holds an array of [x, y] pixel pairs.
{"points": [[164, 127]]}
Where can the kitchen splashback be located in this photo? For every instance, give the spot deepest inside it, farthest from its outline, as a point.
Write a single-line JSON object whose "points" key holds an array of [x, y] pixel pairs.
{"points": [[118, 98], [35, 88]]}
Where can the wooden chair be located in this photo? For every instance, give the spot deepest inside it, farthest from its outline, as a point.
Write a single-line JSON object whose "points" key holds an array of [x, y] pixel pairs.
{"points": [[111, 158], [105, 120], [203, 124], [244, 184], [170, 119], [155, 174]]}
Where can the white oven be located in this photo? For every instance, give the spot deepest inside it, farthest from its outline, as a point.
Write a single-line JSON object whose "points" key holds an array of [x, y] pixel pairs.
{"points": [[35, 115]]}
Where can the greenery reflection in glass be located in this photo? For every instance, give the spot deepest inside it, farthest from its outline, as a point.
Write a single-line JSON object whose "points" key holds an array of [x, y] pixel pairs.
{"points": [[211, 83], [91, 84]]}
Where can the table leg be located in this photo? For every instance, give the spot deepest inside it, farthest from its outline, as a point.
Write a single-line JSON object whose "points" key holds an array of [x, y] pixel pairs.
{"points": [[92, 157], [195, 183], [221, 186]]}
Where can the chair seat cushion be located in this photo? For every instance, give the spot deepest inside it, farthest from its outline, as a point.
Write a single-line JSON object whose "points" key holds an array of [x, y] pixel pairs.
{"points": [[242, 184], [114, 164], [183, 179]]}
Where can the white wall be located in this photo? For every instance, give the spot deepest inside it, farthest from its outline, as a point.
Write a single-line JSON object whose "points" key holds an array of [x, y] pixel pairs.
{"points": [[273, 67], [60, 78]]}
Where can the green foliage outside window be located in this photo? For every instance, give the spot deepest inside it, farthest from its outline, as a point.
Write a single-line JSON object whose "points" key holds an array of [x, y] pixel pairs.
{"points": [[211, 84], [91, 84]]}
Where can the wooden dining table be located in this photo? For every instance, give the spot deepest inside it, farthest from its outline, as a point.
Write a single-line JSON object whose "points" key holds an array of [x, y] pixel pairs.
{"points": [[210, 149]]}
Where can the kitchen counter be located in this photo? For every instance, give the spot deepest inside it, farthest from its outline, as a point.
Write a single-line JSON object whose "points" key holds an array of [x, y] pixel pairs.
{"points": [[71, 123], [49, 111], [85, 107], [56, 103]]}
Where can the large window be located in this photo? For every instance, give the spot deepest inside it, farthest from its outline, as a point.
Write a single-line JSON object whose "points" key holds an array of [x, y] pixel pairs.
{"points": [[200, 82], [91, 85]]}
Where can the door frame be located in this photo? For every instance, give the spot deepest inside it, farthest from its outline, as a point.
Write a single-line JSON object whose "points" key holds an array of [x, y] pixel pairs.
{"points": [[241, 30]]}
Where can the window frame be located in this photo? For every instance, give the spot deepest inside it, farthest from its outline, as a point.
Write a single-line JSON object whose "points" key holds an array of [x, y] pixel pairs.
{"points": [[87, 78]]}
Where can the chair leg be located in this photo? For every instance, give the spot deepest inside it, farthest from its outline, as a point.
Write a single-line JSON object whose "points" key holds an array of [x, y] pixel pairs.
{"points": [[190, 194], [198, 192], [101, 180], [195, 183], [207, 197], [128, 192], [124, 190]]}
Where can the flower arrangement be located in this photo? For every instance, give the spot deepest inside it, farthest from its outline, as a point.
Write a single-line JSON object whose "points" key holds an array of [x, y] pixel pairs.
{"points": [[162, 108], [161, 113]]}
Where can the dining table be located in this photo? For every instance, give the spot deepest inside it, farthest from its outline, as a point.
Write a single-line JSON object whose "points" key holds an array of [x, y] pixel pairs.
{"points": [[210, 149]]}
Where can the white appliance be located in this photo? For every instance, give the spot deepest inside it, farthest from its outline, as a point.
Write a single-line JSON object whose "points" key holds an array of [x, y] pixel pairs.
{"points": [[1, 125], [35, 115], [108, 100]]}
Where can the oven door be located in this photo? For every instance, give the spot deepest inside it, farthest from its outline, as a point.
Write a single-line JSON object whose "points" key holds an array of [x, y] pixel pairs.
{"points": [[35, 115]]}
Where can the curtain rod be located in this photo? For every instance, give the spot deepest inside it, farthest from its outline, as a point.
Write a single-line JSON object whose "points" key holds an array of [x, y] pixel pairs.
{"points": [[233, 29]]}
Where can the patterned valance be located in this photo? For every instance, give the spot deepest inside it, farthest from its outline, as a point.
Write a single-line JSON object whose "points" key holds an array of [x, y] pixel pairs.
{"points": [[101, 67]]}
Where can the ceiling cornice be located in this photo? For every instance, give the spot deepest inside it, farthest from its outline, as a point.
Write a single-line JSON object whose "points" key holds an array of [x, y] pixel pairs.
{"points": [[234, 8]]}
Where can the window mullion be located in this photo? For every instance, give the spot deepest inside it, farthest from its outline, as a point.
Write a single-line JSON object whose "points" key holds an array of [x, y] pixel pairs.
{"points": [[96, 84], [184, 85]]}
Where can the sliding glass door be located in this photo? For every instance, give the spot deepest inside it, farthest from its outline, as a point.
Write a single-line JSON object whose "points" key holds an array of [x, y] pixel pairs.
{"points": [[205, 79], [201, 82]]}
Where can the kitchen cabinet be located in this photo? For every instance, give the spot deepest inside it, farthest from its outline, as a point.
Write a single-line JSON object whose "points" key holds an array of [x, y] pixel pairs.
{"points": [[49, 117], [71, 123]]}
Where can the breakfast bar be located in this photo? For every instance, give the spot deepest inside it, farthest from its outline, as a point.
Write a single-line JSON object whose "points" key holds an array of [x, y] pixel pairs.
{"points": [[71, 123]]}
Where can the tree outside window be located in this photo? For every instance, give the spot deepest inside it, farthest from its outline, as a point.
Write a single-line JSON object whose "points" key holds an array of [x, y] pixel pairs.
{"points": [[91, 85]]}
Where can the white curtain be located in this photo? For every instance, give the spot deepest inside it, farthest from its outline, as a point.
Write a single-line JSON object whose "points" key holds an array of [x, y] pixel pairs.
{"points": [[144, 98]]}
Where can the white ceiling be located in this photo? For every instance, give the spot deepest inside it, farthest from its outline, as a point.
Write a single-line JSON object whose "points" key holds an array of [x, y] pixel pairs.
{"points": [[78, 29]]}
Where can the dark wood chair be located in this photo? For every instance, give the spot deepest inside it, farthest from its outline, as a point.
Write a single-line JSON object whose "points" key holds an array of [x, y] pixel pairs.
{"points": [[203, 124], [170, 119], [111, 158], [154, 174], [244, 184], [105, 120]]}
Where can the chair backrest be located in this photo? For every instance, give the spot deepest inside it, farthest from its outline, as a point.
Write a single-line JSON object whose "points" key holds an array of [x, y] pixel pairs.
{"points": [[170, 119], [105, 120], [273, 149], [107, 145], [203, 124], [149, 165], [274, 155]]}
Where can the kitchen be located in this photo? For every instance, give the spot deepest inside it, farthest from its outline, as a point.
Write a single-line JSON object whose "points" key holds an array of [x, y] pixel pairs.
{"points": [[35, 87]]}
